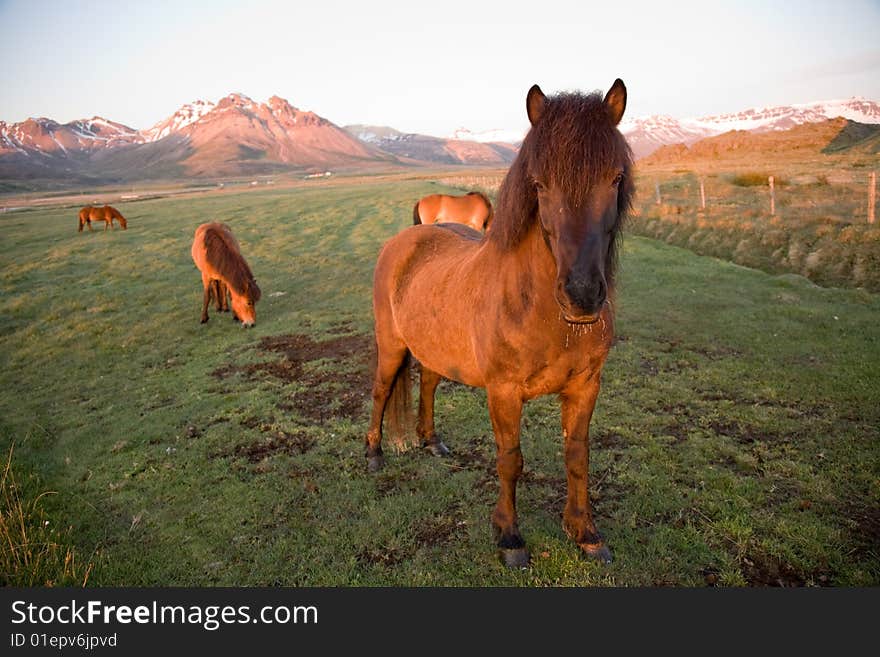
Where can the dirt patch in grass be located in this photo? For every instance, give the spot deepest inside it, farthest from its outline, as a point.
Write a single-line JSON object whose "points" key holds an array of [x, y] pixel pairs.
{"points": [[382, 556], [439, 530], [387, 482], [334, 374], [280, 442], [763, 570], [608, 440], [473, 456], [744, 434], [864, 527]]}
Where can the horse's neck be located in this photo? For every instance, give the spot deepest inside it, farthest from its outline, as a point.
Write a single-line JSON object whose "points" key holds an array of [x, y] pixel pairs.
{"points": [[527, 270]]}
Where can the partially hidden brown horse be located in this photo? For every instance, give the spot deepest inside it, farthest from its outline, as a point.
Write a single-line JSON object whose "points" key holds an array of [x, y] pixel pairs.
{"points": [[524, 311], [474, 209], [224, 270], [106, 214]]}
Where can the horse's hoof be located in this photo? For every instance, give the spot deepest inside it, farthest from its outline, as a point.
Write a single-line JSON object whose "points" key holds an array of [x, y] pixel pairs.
{"points": [[437, 448], [514, 557], [596, 552], [204, 320], [375, 463]]}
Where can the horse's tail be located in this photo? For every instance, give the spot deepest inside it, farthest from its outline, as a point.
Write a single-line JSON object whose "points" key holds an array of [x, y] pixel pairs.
{"points": [[399, 416], [416, 218]]}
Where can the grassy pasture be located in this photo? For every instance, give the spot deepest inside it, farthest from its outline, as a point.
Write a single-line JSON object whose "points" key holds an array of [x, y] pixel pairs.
{"points": [[735, 441]]}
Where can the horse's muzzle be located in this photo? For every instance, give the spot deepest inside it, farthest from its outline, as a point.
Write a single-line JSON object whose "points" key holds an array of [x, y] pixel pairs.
{"points": [[573, 316]]}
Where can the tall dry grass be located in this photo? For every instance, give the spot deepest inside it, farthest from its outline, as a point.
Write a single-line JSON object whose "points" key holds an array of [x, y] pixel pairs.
{"points": [[32, 552]]}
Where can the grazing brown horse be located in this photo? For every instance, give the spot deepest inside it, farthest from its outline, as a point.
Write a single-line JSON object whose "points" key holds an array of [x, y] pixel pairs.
{"points": [[218, 257], [106, 214], [474, 209], [524, 311]]}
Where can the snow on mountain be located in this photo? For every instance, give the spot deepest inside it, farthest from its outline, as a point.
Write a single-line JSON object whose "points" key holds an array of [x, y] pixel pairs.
{"points": [[374, 134], [646, 134], [783, 117], [186, 115], [47, 137], [488, 136]]}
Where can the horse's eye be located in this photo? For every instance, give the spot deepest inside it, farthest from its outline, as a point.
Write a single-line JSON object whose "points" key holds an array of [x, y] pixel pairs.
{"points": [[617, 180], [540, 186]]}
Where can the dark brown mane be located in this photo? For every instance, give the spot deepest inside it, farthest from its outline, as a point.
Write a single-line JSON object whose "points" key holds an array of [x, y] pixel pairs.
{"points": [[226, 258], [577, 131], [482, 196]]}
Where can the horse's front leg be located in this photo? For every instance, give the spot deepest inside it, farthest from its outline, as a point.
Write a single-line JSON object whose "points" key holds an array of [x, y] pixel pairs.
{"points": [[206, 299], [505, 411], [578, 402]]}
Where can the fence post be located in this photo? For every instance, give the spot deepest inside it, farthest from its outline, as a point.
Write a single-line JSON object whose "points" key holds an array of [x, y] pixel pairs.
{"points": [[772, 198], [872, 196], [657, 190], [703, 193]]}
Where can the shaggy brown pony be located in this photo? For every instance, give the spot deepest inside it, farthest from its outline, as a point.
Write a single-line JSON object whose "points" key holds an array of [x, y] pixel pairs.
{"points": [[106, 214], [523, 311], [218, 257]]}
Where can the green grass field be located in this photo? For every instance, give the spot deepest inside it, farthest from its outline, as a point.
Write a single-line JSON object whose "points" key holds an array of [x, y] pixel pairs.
{"points": [[735, 441]]}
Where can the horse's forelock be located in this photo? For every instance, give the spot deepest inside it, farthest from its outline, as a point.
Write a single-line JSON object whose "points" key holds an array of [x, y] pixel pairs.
{"points": [[575, 144]]}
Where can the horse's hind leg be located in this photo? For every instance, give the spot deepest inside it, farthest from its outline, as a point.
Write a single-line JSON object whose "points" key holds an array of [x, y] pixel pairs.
{"points": [[505, 411], [391, 363], [428, 381], [224, 300], [218, 292]]}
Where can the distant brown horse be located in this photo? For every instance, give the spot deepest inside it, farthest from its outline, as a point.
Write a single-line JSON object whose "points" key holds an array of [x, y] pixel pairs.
{"points": [[218, 257], [526, 310], [474, 209], [106, 214]]}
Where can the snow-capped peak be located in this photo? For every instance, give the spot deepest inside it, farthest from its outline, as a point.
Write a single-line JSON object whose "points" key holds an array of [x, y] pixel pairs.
{"points": [[487, 136], [186, 115], [646, 134]]}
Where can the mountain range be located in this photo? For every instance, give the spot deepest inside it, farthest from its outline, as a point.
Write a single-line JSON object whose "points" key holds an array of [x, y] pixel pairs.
{"points": [[240, 137], [645, 135]]}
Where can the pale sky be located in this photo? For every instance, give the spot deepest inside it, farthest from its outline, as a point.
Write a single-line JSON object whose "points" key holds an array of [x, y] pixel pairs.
{"points": [[429, 67]]}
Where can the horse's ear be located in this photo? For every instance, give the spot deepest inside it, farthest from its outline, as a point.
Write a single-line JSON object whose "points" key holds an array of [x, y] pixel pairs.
{"points": [[535, 103], [615, 101]]}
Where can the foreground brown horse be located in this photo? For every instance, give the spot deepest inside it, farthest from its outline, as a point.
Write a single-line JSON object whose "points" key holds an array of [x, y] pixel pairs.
{"points": [[218, 257], [474, 209], [524, 311], [106, 214]]}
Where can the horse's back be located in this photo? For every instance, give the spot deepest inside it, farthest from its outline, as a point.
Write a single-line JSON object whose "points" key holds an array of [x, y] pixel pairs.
{"points": [[210, 239], [472, 209], [199, 249]]}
